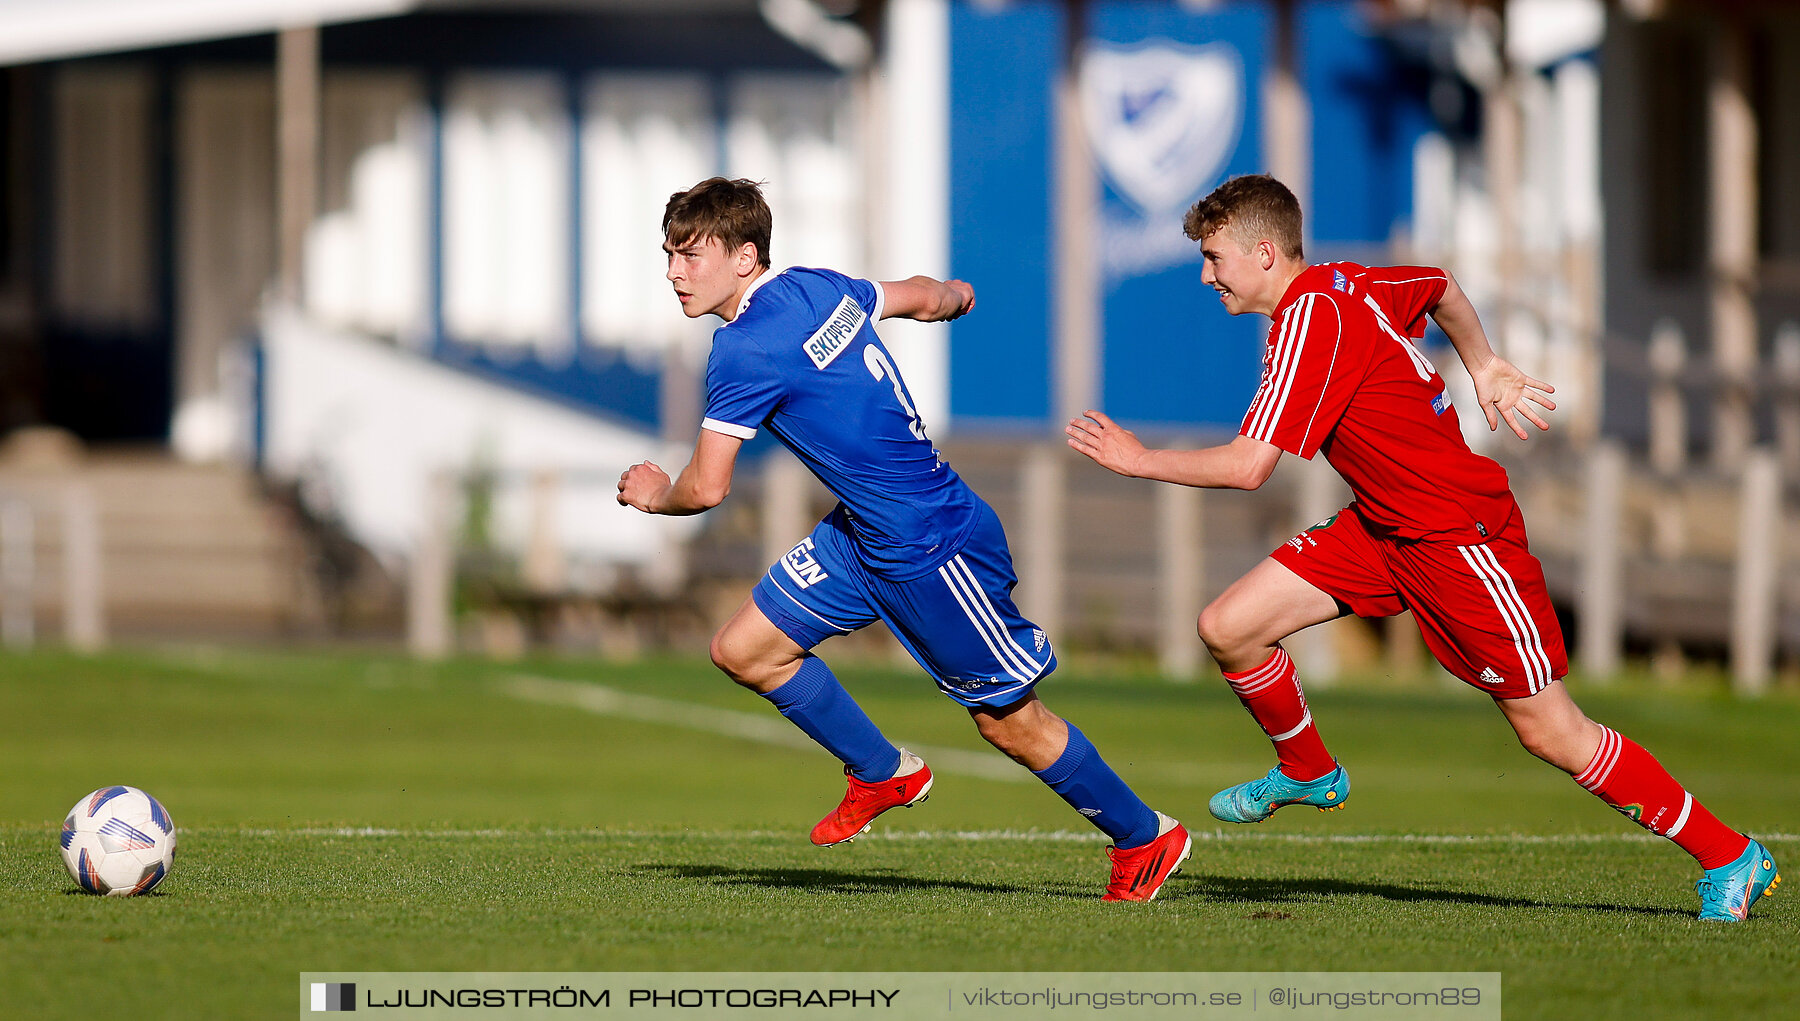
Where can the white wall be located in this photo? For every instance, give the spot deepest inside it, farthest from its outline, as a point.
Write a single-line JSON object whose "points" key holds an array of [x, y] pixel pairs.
{"points": [[372, 422]]}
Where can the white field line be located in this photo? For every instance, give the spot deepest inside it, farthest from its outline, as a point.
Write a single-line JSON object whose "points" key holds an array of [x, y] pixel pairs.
{"points": [[766, 728], [977, 836]]}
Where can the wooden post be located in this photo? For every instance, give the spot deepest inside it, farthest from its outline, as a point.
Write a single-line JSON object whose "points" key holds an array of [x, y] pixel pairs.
{"points": [[297, 175], [1602, 564], [1668, 410], [1732, 255], [785, 496], [681, 396], [84, 616], [1668, 429], [1181, 567], [1405, 653], [1787, 398], [544, 567], [1077, 375], [1043, 510], [1502, 148], [1755, 588], [430, 613], [1287, 118], [18, 571]]}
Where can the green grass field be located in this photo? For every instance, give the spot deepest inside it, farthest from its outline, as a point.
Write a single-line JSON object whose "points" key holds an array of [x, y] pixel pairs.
{"points": [[362, 813]]}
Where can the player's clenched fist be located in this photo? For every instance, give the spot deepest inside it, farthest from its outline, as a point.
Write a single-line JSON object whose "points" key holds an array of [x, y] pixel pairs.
{"points": [[641, 484]]}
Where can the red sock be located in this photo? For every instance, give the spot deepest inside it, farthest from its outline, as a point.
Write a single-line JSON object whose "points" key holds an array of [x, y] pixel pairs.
{"points": [[1272, 694], [1630, 779]]}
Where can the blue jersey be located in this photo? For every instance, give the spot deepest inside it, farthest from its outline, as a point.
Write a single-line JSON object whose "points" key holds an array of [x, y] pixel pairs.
{"points": [[802, 358]]}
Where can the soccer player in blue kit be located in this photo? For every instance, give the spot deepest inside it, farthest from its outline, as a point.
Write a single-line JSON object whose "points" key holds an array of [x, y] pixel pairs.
{"points": [[909, 542]]}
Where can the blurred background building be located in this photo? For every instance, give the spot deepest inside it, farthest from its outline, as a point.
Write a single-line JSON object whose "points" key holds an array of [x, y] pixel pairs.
{"points": [[309, 306]]}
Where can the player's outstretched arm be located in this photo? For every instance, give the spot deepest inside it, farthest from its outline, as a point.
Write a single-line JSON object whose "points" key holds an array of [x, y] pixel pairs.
{"points": [[1500, 386], [1244, 463], [926, 299], [701, 486]]}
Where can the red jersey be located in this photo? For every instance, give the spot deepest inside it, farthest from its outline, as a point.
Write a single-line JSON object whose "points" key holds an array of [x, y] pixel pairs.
{"points": [[1342, 375]]}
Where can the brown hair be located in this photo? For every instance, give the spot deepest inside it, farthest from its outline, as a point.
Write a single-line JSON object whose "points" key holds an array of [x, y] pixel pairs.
{"points": [[734, 212], [1255, 207]]}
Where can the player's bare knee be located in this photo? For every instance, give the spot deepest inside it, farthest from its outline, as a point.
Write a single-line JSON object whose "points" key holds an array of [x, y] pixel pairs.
{"points": [[1224, 634], [730, 658], [1559, 745], [1538, 742], [1020, 732], [997, 732]]}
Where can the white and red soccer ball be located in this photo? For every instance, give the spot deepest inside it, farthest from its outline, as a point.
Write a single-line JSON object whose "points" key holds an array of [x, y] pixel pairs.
{"points": [[118, 842]]}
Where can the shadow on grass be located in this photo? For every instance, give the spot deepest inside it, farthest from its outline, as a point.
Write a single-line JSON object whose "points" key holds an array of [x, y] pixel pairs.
{"points": [[1287, 891], [826, 880], [1222, 889]]}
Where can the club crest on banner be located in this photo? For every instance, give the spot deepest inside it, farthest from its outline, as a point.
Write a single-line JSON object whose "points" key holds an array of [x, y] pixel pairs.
{"points": [[1163, 118]]}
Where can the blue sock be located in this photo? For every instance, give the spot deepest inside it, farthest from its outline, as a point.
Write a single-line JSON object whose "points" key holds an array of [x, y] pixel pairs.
{"points": [[814, 701], [1085, 781]]}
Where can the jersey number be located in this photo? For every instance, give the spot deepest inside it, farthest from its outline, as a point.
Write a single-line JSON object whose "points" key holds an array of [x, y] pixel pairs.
{"points": [[1421, 364], [881, 368]]}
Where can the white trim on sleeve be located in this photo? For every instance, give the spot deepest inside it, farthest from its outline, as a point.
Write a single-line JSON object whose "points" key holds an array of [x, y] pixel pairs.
{"points": [[880, 302], [742, 432]]}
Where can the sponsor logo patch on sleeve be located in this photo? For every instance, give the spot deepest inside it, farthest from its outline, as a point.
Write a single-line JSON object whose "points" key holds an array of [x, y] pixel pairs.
{"points": [[831, 339]]}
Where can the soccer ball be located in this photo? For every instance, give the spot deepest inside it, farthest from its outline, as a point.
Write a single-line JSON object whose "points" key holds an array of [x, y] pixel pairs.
{"points": [[118, 841]]}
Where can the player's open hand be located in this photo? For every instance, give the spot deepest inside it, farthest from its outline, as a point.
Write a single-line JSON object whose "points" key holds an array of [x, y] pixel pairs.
{"points": [[1110, 444], [1503, 390], [641, 485]]}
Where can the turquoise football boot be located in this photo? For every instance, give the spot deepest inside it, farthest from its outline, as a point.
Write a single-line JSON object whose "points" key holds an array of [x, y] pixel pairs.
{"points": [[1258, 799], [1728, 892]]}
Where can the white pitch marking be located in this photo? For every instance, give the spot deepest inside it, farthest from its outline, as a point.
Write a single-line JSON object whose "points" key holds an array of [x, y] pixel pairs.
{"points": [[977, 836], [760, 727]]}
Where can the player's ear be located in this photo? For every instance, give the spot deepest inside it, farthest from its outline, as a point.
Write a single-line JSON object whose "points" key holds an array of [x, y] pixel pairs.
{"points": [[1265, 251], [746, 258]]}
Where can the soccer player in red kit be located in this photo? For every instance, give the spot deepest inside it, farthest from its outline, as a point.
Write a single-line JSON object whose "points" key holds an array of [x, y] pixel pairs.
{"points": [[1433, 527]]}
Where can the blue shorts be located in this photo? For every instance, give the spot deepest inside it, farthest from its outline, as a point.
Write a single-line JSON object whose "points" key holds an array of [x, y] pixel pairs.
{"points": [[959, 621]]}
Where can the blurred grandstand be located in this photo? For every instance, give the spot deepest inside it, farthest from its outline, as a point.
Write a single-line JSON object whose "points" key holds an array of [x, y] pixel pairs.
{"points": [[339, 317]]}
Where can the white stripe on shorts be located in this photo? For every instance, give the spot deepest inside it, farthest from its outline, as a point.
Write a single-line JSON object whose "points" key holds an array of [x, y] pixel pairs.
{"points": [[1512, 609], [980, 611]]}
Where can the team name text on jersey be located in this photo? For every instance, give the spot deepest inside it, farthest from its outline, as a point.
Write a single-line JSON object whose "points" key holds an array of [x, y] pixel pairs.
{"points": [[831, 339]]}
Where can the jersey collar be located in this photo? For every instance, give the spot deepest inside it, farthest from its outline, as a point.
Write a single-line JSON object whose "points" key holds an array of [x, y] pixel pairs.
{"points": [[767, 275], [1300, 285]]}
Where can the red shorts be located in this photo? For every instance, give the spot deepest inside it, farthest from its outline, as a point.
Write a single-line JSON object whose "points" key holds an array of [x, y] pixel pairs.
{"points": [[1484, 610]]}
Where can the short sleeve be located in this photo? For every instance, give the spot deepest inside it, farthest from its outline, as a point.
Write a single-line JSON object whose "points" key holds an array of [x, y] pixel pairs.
{"points": [[742, 387], [1303, 391], [870, 296], [1407, 293]]}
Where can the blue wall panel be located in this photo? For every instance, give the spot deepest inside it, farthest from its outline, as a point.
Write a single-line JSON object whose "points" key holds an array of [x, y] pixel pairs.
{"points": [[1368, 110], [1003, 64], [1173, 358]]}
